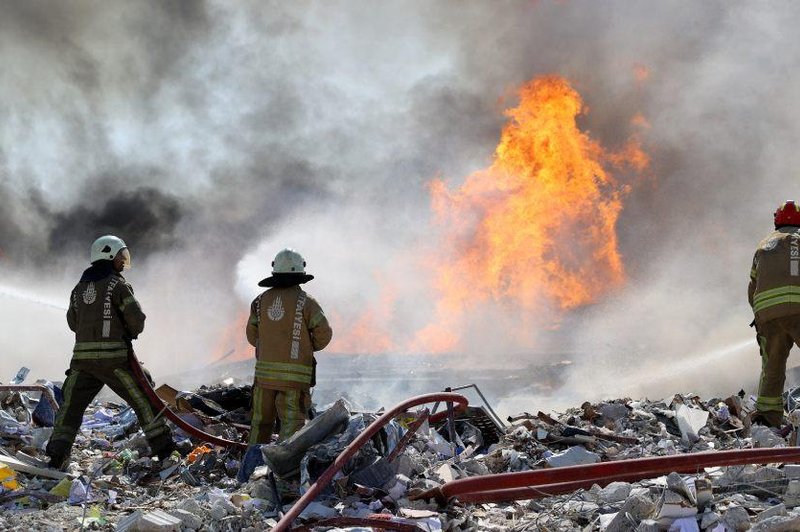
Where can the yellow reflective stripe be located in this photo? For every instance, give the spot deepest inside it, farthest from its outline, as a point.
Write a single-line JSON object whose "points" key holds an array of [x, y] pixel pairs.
{"points": [[291, 417], [767, 404], [794, 298], [283, 377], [781, 290], [141, 406], [97, 355], [316, 320], [753, 273], [258, 415], [61, 431], [127, 301], [770, 400], [99, 346], [263, 365]]}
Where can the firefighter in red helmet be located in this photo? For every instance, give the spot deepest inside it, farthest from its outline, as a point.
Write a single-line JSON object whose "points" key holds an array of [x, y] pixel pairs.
{"points": [[774, 295]]}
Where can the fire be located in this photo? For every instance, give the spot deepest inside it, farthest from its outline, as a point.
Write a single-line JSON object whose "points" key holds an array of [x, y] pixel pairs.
{"points": [[641, 73], [367, 334], [536, 229], [232, 344], [532, 235]]}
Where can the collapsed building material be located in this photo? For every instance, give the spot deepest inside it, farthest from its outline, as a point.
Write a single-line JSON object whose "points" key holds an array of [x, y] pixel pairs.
{"points": [[284, 458], [26, 467], [172, 416], [376, 521], [47, 393], [351, 449]]}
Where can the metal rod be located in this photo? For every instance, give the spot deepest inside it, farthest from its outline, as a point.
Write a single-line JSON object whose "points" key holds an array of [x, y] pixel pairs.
{"points": [[494, 415]]}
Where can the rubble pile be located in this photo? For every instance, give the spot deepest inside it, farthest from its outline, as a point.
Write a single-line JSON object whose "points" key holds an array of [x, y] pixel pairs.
{"points": [[113, 484]]}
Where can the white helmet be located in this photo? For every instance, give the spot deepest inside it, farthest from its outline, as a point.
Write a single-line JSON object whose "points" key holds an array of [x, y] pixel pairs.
{"points": [[106, 248], [288, 261]]}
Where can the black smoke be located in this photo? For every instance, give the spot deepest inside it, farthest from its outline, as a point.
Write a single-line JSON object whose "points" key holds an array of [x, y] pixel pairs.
{"points": [[145, 218]]}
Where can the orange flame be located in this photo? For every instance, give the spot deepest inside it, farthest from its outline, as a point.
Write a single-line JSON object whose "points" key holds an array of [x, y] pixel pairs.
{"points": [[535, 231], [232, 344], [641, 73], [368, 334], [537, 227]]}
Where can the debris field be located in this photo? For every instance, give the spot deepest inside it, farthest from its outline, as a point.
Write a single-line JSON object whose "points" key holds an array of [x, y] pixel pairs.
{"points": [[412, 474]]}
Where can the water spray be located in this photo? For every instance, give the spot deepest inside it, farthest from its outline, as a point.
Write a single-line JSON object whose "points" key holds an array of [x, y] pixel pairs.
{"points": [[9, 291]]}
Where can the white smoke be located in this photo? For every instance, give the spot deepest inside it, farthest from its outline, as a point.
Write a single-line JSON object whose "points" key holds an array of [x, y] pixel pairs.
{"points": [[318, 126]]}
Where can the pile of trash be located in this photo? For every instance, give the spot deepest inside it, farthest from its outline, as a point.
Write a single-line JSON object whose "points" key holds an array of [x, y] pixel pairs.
{"points": [[113, 484]]}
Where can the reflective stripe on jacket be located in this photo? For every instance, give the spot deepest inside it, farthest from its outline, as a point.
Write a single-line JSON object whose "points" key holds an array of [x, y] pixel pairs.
{"points": [[286, 326], [104, 314], [774, 290]]}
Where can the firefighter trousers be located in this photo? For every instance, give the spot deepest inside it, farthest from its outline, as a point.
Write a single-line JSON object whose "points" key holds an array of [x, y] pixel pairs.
{"points": [[288, 406], [84, 381], [775, 338]]}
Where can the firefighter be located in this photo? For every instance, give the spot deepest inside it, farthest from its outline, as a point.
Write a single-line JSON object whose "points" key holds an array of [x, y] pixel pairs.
{"points": [[105, 317], [286, 326], [774, 295]]}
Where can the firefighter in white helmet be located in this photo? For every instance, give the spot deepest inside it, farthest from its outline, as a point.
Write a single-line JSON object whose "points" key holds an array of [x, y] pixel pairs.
{"points": [[286, 326], [105, 317]]}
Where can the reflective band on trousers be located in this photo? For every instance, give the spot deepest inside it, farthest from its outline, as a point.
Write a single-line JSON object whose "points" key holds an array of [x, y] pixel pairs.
{"points": [[283, 371], [776, 296], [765, 404]]}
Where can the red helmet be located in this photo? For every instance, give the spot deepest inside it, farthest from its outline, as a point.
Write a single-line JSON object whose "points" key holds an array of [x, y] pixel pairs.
{"points": [[787, 214]]}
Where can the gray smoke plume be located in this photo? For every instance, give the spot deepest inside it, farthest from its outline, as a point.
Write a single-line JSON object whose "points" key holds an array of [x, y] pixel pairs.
{"points": [[210, 135]]}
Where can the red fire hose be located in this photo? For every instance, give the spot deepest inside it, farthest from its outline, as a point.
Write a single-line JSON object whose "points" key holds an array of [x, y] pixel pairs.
{"points": [[158, 404], [362, 438], [554, 481]]}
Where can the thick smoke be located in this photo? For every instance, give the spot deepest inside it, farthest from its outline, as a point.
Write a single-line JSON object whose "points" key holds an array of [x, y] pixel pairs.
{"points": [[146, 217], [211, 134]]}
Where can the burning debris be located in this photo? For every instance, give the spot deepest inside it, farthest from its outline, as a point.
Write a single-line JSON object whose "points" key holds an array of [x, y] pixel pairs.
{"points": [[614, 465]]}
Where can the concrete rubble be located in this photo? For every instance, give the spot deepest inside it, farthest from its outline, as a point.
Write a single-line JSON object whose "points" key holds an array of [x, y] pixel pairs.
{"points": [[112, 483]]}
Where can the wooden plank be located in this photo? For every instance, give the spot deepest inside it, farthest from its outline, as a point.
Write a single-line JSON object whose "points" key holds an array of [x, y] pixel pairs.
{"points": [[22, 467]]}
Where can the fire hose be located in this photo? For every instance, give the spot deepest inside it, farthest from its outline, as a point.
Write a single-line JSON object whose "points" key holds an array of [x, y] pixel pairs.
{"points": [[158, 404], [363, 438], [559, 480]]}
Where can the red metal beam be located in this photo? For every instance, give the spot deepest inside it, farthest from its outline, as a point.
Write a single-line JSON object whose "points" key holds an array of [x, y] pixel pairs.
{"points": [[363, 438]]}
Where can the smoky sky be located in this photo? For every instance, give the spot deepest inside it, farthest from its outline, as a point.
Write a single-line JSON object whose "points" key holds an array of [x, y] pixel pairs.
{"points": [[145, 218], [205, 126]]}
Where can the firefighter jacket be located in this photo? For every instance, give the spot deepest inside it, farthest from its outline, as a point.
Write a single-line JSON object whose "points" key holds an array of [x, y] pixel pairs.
{"points": [[774, 290], [286, 326], [104, 314]]}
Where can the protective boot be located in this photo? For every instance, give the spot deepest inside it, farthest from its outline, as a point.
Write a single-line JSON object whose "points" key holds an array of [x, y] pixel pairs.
{"points": [[284, 458], [770, 418], [58, 462], [162, 447]]}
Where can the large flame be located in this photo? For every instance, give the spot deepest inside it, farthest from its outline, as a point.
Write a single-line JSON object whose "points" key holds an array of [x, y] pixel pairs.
{"points": [[535, 233], [537, 227]]}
